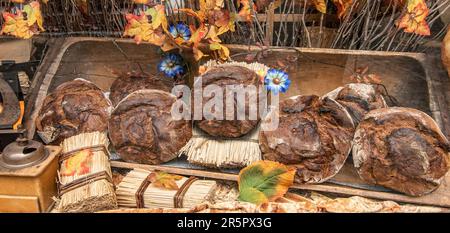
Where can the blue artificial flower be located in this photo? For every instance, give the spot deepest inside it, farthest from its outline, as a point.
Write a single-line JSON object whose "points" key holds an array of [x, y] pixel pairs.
{"points": [[276, 81], [180, 30], [172, 65]]}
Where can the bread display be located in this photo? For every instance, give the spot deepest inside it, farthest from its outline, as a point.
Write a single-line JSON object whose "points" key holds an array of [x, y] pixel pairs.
{"points": [[223, 76], [402, 149], [74, 107], [313, 134], [358, 99], [142, 129]]}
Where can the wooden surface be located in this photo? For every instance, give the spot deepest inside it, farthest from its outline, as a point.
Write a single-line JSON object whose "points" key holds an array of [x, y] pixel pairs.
{"points": [[17, 50], [413, 79], [19, 204]]}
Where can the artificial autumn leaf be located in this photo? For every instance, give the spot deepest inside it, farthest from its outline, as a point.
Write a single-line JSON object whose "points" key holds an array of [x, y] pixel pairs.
{"points": [[164, 180], [141, 1], [79, 164], [246, 12], [414, 20], [34, 15], [223, 51], [158, 17], [138, 27], [342, 7], [321, 5], [17, 26], [23, 27], [264, 181]]}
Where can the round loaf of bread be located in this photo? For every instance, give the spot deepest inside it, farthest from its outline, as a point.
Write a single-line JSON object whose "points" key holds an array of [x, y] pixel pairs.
{"points": [[358, 99], [313, 134], [142, 130], [402, 149], [74, 107], [222, 76], [125, 85]]}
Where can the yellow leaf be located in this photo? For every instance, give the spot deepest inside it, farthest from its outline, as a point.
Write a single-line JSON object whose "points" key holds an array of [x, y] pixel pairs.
{"points": [[164, 180], [16, 25], [321, 5], [158, 17], [34, 15], [223, 51], [212, 34], [138, 27]]}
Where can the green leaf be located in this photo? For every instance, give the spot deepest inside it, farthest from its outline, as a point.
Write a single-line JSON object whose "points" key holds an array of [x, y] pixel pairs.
{"points": [[264, 181]]}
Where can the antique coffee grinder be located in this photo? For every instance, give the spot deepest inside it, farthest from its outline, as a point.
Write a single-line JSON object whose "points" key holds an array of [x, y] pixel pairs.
{"points": [[28, 172]]}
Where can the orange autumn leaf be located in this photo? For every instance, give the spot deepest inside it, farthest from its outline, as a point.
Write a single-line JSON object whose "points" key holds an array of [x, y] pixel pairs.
{"points": [[23, 27], [414, 19], [141, 1], [140, 29], [321, 6], [246, 11], [137, 27], [342, 7], [164, 180], [34, 16], [79, 164], [158, 17]]}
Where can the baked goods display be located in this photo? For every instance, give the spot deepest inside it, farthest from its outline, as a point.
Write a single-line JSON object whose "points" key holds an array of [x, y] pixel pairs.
{"points": [[223, 76], [74, 107], [126, 84], [314, 135], [402, 149], [358, 99], [142, 129]]}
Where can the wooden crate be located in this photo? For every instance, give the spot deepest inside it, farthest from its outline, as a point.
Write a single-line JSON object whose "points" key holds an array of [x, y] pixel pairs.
{"points": [[414, 79]]}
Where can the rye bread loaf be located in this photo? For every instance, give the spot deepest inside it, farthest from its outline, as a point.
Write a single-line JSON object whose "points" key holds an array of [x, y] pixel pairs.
{"points": [[74, 107], [313, 134], [142, 130], [402, 149], [127, 84], [223, 76], [358, 99]]}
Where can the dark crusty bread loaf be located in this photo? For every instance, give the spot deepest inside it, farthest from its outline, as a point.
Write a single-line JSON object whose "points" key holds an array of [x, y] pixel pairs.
{"points": [[223, 76], [74, 107], [358, 99], [126, 84], [142, 130], [314, 135], [401, 149]]}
